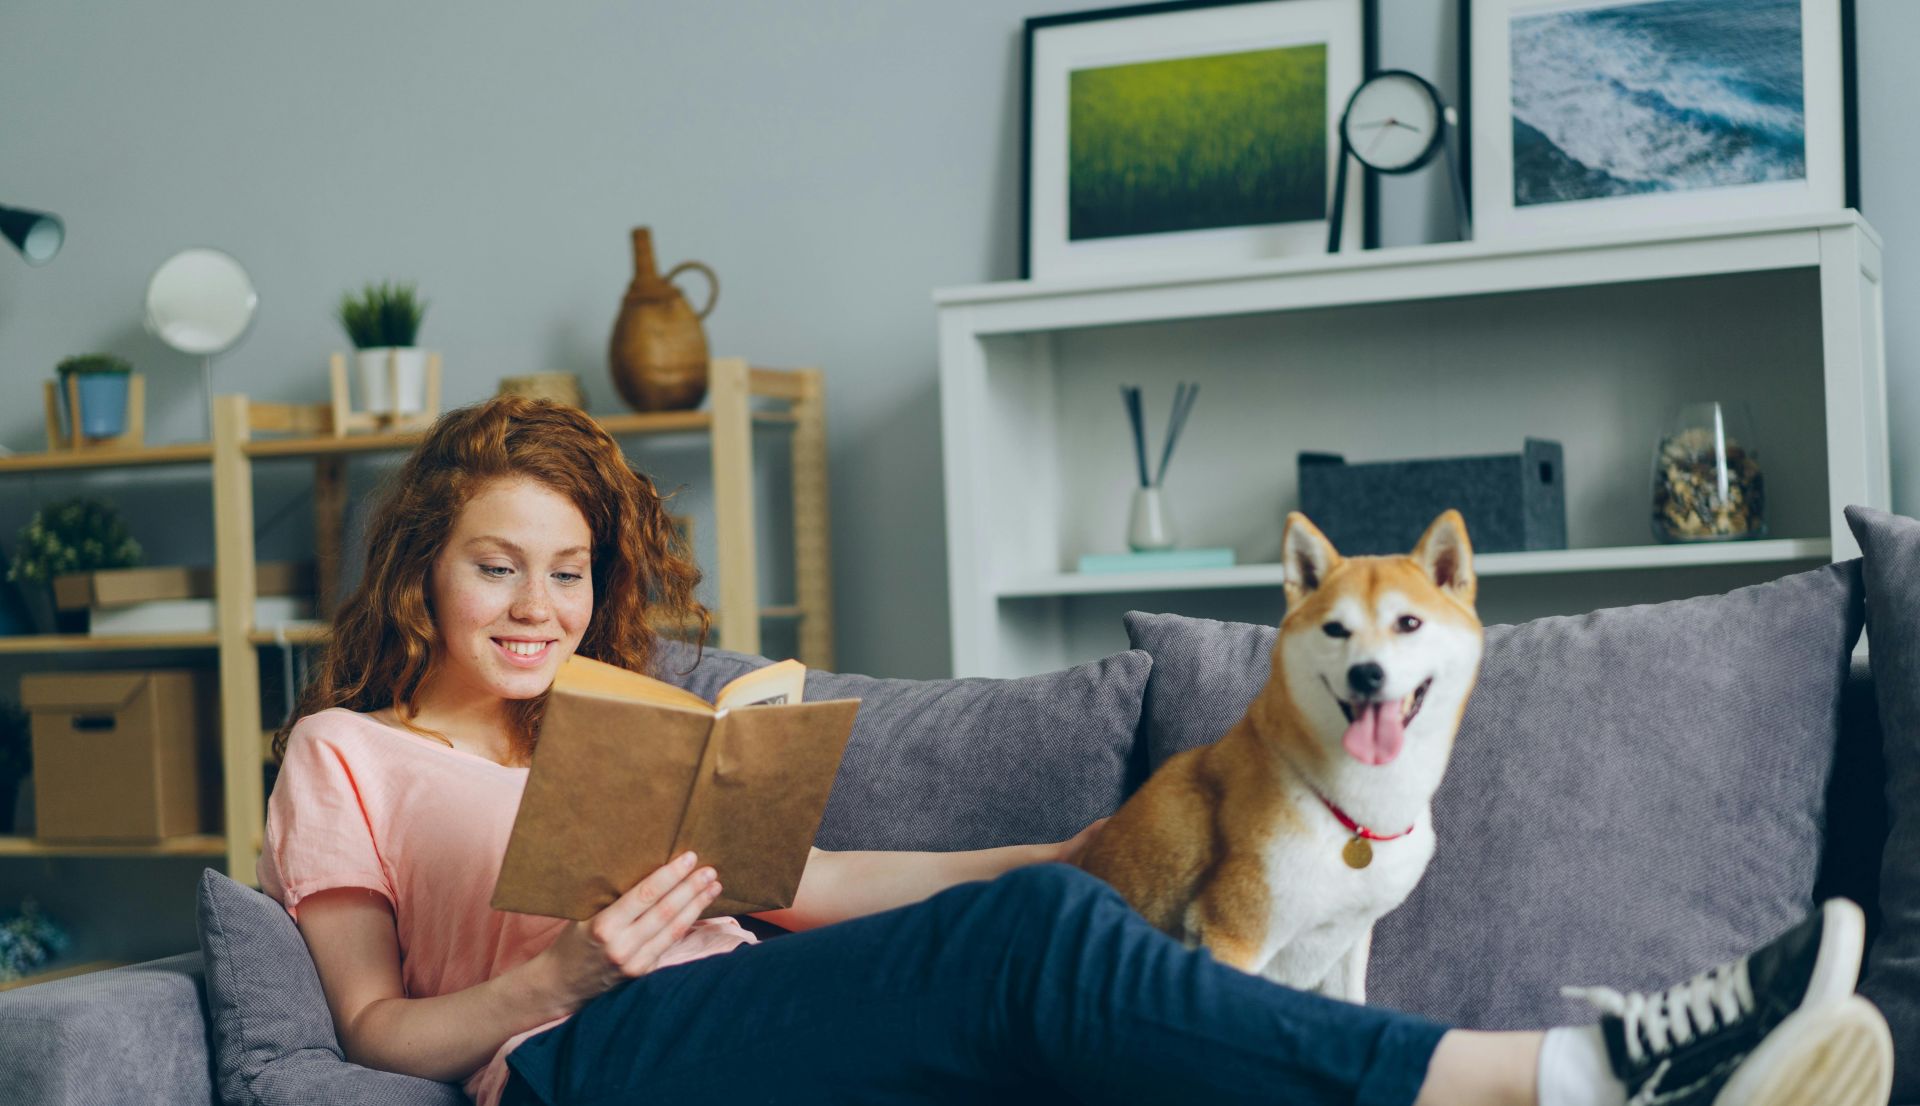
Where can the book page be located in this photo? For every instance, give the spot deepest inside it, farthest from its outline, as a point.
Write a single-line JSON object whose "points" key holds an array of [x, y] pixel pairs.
{"points": [[583, 676], [774, 685]]}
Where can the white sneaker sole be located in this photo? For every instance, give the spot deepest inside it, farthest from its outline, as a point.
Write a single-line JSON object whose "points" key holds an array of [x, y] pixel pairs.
{"points": [[1833, 1054], [1843, 941]]}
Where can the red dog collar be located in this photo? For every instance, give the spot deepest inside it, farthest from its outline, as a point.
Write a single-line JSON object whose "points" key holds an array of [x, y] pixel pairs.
{"points": [[1356, 828]]}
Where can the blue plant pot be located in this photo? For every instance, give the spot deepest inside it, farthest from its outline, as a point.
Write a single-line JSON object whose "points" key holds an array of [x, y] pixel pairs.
{"points": [[103, 404]]}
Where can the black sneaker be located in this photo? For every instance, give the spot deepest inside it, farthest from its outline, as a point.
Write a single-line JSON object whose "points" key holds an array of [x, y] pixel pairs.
{"points": [[1780, 1027]]}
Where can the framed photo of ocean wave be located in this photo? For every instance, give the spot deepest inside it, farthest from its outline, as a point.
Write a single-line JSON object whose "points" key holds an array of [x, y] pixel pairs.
{"points": [[1187, 133], [1609, 114]]}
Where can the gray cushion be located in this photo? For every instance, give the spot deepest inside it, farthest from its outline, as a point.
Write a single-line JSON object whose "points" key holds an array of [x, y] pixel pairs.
{"points": [[964, 764], [133, 1036], [273, 1039], [1892, 547], [1635, 794]]}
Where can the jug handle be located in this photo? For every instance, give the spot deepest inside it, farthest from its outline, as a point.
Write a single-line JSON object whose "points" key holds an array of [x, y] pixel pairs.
{"points": [[713, 284]]}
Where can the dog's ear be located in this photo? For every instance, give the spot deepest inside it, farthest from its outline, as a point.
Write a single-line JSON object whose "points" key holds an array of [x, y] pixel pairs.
{"points": [[1308, 557], [1446, 556]]}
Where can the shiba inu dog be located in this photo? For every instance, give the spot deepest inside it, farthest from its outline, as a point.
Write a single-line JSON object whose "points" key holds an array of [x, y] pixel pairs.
{"points": [[1278, 846]]}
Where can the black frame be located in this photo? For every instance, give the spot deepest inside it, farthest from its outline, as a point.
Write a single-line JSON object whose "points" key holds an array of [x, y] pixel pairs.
{"points": [[1434, 144], [1849, 103], [1369, 61]]}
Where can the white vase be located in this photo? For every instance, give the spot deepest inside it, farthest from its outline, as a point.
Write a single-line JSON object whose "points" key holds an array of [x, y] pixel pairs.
{"points": [[401, 390], [1149, 526]]}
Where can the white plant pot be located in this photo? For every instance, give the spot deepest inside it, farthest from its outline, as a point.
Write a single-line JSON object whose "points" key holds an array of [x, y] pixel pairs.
{"points": [[399, 391]]}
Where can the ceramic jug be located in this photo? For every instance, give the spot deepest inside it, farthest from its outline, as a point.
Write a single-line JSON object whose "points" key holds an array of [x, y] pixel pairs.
{"points": [[659, 350]]}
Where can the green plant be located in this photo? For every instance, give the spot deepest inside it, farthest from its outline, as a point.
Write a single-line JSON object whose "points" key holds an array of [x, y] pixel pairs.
{"points": [[72, 535], [384, 314], [93, 363], [28, 940]]}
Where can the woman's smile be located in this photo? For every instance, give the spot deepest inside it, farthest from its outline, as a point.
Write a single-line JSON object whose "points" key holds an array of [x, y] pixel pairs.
{"points": [[524, 652]]}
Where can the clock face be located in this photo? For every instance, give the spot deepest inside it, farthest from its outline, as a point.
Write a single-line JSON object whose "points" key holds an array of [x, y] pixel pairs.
{"points": [[1392, 123]]}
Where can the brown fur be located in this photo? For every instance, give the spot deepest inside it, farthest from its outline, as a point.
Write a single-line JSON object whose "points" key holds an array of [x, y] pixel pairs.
{"points": [[1194, 835]]}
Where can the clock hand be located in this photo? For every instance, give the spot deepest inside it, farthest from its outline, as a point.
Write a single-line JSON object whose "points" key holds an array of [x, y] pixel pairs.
{"points": [[1380, 134], [1375, 123]]}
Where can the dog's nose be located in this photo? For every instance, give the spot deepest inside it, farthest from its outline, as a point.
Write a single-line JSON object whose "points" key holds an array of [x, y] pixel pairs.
{"points": [[1365, 679]]}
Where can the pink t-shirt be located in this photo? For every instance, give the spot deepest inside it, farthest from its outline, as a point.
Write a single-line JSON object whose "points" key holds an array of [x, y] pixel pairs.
{"points": [[363, 804]]}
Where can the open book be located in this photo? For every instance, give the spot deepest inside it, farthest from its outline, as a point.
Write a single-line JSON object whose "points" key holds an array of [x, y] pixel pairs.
{"points": [[630, 772]]}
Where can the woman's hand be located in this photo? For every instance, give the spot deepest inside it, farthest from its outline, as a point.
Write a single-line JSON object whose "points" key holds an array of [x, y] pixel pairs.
{"points": [[627, 939], [1072, 849]]}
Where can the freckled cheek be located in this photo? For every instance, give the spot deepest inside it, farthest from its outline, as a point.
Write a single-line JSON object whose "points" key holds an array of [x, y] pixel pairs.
{"points": [[575, 610]]}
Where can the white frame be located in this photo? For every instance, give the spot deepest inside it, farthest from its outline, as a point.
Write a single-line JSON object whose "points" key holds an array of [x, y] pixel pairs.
{"points": [[1124, 39], [1495, 216]]}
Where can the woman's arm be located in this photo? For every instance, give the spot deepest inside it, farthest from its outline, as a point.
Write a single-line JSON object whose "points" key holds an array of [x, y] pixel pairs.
{"points": [[448, 1037], [351, 936], [838, 886]]}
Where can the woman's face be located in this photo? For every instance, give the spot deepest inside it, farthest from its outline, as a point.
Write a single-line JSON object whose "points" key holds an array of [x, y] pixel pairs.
{"points": [[512, 590]]}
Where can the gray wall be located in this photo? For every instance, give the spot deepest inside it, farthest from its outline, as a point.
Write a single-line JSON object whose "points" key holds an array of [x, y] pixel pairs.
{"points": [[834, 160]]}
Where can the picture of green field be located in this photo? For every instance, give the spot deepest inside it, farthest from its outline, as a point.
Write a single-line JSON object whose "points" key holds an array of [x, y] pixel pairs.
{"points": [[1223, 141]]}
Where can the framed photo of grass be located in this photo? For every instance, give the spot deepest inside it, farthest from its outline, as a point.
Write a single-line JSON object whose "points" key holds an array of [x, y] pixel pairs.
{"points": [[1187, 133], [1605, 114]]}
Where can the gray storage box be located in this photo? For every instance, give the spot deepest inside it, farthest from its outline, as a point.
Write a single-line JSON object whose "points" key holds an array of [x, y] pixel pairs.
{"points": [[1512, 501]]}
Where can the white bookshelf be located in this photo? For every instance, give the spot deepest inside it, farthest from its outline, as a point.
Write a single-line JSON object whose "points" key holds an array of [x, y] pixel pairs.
{"points": [[1460, 348]]}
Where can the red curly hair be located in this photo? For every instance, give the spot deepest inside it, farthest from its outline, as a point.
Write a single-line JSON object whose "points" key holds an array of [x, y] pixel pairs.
{"points": [[384, 638]]}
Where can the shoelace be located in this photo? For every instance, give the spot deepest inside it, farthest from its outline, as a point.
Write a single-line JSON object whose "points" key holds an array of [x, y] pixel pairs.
{"points": [[1666, 1020]]}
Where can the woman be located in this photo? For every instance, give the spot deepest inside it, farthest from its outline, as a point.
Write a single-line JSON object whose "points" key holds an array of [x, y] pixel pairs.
{"points": [[516, 536]]}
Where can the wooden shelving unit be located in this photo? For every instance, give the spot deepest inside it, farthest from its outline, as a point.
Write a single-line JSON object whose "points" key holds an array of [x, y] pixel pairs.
{"points": [[62, 972], [204, 844], [738, 395]]}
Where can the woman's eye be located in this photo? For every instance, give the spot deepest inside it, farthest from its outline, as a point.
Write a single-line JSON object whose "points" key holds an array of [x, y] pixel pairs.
{"points": [[1336, 630], [568, 577], [1407, 624], [495, 571]]}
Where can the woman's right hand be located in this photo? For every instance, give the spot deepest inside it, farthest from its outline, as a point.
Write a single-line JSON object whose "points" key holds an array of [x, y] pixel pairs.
{"points": [[627, 938]]}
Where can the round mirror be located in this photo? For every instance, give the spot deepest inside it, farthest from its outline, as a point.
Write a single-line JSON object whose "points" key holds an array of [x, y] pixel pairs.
{"points": [[200, 301]]}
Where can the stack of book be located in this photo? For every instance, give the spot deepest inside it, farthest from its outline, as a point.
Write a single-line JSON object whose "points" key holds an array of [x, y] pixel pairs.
{"points": [[178, 599]]}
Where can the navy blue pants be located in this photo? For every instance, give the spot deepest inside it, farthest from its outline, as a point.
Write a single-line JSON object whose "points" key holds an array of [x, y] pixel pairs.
{"points": [[1041, 982]]}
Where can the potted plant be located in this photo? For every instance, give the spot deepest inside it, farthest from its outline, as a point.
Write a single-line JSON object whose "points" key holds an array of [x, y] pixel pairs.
{"points": [[102, 380], [71, 535], [16, 759], [383, 320], [28, 941]]}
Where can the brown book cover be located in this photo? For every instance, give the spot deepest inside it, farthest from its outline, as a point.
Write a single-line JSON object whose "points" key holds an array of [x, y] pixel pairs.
{"points": [[630, 771]]}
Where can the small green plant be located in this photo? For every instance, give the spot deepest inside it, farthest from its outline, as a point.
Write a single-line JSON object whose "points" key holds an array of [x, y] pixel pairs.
{"points": [[28, 940], [72, 535], [94, 363], [381, 315]]}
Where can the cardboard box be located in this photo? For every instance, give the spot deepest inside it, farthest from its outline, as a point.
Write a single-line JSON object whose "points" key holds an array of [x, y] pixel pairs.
{"points": [[119, 587], [123, 756]]}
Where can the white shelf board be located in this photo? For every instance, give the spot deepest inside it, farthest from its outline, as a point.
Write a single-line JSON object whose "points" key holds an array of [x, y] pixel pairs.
{"points": [[1400, 274], [1617, 559]]}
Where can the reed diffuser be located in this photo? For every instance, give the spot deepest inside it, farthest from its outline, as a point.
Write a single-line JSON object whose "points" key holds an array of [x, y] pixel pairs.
{"points": [[1149, 526]]}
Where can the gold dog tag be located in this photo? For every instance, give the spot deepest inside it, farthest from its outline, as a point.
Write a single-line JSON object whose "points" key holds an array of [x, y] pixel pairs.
{"points": [[1358, 853]]}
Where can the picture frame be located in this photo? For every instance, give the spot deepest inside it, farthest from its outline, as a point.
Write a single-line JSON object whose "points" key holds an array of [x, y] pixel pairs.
{"points": [[1109, 188], [1681, 128]]}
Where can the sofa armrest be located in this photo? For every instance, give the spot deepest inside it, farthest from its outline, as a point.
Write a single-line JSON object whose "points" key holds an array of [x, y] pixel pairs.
{"points": [[136, 1034]]}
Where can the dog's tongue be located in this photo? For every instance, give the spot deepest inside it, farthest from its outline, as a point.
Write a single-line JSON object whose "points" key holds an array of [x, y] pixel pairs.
{"points": [[1376, 734]]}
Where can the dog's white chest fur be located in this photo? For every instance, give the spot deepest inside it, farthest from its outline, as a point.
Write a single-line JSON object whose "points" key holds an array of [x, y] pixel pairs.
{"points": [[1323, 909]]}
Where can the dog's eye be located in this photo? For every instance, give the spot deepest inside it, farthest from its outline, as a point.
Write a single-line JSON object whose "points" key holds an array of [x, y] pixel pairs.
{"points": [[1336, 630], [1406, 624]]}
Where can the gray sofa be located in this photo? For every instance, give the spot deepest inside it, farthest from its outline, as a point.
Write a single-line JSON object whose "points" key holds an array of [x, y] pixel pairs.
{"points": [[1040, 757]]}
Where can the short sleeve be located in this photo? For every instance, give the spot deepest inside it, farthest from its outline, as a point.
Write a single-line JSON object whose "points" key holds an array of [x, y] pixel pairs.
{"points": [[318, 834]]}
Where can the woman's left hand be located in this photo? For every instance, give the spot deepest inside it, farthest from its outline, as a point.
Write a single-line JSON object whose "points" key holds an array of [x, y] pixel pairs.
{"points": [[1070, 850]]}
